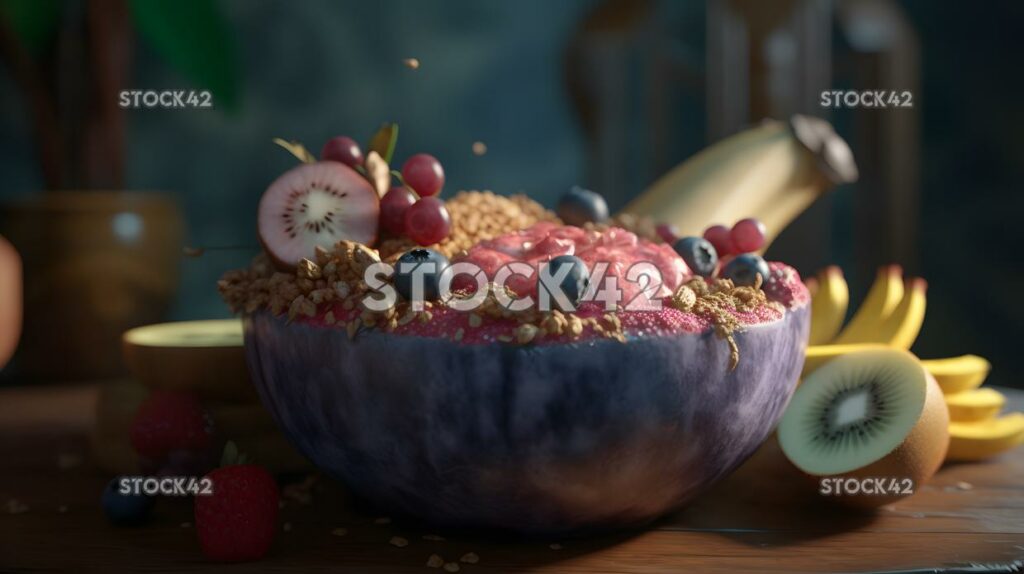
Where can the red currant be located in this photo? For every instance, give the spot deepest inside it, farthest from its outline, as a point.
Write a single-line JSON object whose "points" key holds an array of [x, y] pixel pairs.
{"points": [[423, 173], [393, 206], [343, 149], [720, 239], [747, 235], [427, 221], [667, 232]]}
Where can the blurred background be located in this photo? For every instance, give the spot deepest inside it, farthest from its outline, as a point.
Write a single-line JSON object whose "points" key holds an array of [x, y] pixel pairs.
{"points": [[608, 94]]}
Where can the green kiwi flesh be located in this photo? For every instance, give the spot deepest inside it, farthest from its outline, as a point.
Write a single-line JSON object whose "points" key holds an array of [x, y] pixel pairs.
{"points": [[853, 411]]}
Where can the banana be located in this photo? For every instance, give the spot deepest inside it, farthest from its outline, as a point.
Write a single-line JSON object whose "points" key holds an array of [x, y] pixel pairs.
{"points": [[828, 305], [958, 374], [772, 172], [975, 405], [900, 329], [818, 355], [882, 299], [981, 440]]}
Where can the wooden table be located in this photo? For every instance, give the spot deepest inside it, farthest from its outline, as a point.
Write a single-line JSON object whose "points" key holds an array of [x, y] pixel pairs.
{"points": [[763, 518]]}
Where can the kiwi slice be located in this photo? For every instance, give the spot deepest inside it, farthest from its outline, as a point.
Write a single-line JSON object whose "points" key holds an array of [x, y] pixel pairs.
{"points": [[203, 356], [875, 413]]}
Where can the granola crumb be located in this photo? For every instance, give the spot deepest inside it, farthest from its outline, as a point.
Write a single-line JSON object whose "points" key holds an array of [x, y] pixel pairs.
{"points": [[435, 561], [479, 148], [451, 567], [398, 541], [470, 558], [411, 63]]}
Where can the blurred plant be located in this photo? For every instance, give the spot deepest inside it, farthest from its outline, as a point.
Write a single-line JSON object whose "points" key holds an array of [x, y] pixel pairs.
{"points": [[71, 58]]}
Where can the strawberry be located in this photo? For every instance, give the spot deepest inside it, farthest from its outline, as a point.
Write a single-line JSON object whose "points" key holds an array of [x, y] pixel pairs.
{"points": [[170, 421], [237, 522]]}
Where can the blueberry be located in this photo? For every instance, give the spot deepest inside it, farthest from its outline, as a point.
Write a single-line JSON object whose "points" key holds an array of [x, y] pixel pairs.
{"points": [[579, 206], [698, 253], [125, 509], [744, 269], [573, 285], [436, 265]]}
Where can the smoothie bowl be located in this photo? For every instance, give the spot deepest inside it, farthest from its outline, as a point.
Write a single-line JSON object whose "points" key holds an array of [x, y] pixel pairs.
{"points": [[452, 407]]}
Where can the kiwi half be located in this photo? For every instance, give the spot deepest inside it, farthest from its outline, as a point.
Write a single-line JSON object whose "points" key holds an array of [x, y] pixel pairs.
{"points": [[202, 356], [869, 414]]}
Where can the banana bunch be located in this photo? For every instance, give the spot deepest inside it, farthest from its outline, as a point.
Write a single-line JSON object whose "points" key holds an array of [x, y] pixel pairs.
{"points": [[891, 316]]}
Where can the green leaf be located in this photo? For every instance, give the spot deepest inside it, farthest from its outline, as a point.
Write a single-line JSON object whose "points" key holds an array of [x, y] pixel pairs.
{"points": [[230, 454], [193, 37], [296, 149], [383, 142], [33, 21]]}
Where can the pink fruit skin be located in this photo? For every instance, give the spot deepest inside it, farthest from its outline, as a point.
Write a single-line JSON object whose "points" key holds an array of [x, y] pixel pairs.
{"points": [[427, 221], [423, 173], [667, 232], [747, 235], [393, 207], [721, 240], [343, 149]]}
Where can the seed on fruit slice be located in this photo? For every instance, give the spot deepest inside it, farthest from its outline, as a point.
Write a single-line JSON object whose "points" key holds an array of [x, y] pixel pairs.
{"points": [[316, 204], [867, 414]]}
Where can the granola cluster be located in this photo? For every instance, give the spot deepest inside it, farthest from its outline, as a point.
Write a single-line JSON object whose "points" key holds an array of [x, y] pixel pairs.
{"points": [[477, 216], [718, 301]]}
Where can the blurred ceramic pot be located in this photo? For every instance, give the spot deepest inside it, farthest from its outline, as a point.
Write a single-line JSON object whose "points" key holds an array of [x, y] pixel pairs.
{"points": [[96, 263], [10, 300]]}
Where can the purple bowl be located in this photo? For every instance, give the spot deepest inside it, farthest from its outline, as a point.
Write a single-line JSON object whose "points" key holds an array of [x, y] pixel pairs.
{"points": [[542, 439]]}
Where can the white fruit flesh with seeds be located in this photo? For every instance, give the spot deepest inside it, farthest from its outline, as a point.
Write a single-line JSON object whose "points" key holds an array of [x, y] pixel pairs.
{"points": [[316, 204]]}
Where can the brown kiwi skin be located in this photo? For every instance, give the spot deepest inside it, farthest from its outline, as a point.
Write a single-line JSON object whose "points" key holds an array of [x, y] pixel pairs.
{"points": [[918, 457], [212, 372]]}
